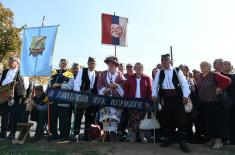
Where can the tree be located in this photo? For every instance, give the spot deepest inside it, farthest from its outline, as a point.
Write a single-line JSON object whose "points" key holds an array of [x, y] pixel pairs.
{"points": [[10, 42]]}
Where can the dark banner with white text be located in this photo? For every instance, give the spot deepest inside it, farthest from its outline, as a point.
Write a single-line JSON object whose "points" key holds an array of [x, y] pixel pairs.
{"points": [[83, 100]]}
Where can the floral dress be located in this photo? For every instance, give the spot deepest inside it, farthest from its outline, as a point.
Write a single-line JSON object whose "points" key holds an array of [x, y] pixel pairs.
{"points": [[110, 116]]}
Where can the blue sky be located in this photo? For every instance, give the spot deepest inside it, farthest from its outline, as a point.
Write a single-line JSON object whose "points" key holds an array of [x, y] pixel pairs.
{"points": [[197, 29]]}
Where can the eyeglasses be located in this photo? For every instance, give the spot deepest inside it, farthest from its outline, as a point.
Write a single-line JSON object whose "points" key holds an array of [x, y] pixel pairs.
{"points": [[129, 66]]}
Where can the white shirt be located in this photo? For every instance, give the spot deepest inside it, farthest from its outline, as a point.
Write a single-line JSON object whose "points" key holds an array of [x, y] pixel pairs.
{"points": [[1, 69], [167, 82], [11, 73], [137, 92], [91, 75], [69, 85], [111, 78], [78, 81]]}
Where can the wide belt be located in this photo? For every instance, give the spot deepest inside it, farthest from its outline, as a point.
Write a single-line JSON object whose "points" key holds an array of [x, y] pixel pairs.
{"points": [[169, 92]]}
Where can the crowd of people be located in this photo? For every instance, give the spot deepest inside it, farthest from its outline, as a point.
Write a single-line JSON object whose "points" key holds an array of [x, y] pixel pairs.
{"points": [[170, 89]]}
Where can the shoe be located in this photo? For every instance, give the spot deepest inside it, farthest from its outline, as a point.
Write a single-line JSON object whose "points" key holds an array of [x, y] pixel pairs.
{"points": [[3, 135], [218, 144], [112, 137], [165, 142], [11, 136], [83, 138], [73, 138], [121, 136], [132, 136], [64, 139], [107, 136], [184, 147], [143, 138], [52, 138], [210, 143]]}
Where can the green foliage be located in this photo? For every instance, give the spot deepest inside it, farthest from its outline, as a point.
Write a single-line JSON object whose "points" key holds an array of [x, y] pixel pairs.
{"points": [[10, 42]]}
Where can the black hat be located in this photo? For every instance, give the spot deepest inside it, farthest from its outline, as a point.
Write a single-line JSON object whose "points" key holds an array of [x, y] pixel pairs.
{"points": [[75, 65], [91, 59], [121, 64], [165, 56], [39, 88]]}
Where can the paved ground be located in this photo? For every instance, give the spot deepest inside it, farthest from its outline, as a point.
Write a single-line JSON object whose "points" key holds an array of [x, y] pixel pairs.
{"points": [[99, 148]]}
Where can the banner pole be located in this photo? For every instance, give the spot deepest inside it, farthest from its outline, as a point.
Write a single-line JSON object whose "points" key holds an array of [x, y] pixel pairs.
{"points": [[48, 107], [43, 19]]}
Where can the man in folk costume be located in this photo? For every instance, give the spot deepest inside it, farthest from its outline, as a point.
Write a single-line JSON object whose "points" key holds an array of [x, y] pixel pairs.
{"points": [[172, 90], [86, 81], [59, 109], [111, 83], [14, 111]]}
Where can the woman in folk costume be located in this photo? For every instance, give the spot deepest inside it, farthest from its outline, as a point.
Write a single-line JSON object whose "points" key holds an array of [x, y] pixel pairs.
{"points": [[138, 86], [110, 83]]}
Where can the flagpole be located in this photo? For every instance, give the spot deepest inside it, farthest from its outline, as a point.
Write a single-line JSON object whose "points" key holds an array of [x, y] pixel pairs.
{"points": [[115, 48], [171, 55]]}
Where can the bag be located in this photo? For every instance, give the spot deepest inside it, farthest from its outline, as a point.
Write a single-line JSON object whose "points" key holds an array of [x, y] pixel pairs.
{"points": [[188, 107], [94, 131], [149, 124], [224, 100], [7, 92]]}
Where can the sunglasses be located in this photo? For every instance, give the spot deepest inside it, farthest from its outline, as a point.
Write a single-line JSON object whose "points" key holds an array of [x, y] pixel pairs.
{"points": [[129, 66]]}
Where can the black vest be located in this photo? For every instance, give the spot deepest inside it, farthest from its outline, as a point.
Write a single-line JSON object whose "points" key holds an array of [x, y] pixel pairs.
{"points": [[231, 88], [175, 82], [86, 81], [19, 87]]}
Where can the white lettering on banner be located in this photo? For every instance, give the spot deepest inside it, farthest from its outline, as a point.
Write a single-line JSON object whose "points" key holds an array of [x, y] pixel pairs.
{"points": [[82, 98], [129, 104], [99, 101]]}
